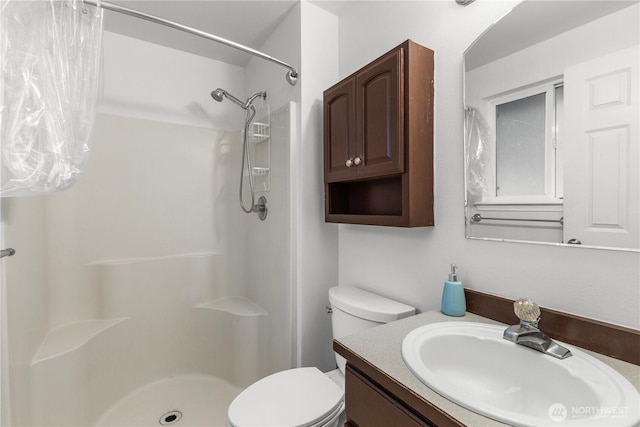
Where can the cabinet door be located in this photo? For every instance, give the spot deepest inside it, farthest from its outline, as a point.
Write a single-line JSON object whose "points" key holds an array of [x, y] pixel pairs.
{"points": [[380, 116], [370, 405], [339, 131]]}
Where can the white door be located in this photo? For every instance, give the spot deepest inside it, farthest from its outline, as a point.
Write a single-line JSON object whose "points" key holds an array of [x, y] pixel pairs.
{"points": [[601, 151]]}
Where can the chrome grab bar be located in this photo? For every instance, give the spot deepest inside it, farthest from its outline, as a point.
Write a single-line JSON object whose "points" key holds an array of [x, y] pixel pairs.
{"points": [[7, 252]]}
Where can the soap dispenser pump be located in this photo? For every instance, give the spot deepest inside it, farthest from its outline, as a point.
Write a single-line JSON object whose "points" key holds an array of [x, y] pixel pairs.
{"points": [[453, 300]]}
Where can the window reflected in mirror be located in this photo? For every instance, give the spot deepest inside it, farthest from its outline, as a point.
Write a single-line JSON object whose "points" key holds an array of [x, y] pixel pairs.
{"points": [[520, 147], [528, 159]]}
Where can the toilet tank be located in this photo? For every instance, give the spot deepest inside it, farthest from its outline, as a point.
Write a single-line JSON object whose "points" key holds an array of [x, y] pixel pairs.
{"points": [[355, 309]]}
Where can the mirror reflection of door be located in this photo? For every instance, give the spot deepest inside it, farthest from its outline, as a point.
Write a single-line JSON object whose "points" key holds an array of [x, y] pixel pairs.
{"points": [[602, 151]]}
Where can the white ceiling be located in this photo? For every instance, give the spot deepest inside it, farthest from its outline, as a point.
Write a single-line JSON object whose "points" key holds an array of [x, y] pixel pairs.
{"points": [[251, 22], [531, 22], [248, 22]]}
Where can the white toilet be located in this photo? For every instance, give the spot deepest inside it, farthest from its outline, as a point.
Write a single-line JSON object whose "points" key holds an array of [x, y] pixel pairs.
{"points": [[305, 397]]}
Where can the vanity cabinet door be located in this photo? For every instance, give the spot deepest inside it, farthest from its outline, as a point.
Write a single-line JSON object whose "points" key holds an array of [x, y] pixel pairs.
{"points": [[370, 406]]}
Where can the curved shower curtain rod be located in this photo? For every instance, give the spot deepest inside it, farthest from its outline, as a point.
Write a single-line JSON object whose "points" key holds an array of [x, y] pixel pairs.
{"points": [[292, 75]]}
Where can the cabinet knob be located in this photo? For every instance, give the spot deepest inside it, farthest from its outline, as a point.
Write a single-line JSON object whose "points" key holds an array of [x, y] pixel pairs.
{"points": [[357, 161], [349, 163]]}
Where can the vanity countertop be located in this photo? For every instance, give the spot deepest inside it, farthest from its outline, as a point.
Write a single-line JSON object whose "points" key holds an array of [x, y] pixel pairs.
{"points": [[381, 348]]}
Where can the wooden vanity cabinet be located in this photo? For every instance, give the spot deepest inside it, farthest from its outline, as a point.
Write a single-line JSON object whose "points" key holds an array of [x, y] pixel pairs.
{"points": [[369, 405], [375, 399], [378, 392], [378, 141]]}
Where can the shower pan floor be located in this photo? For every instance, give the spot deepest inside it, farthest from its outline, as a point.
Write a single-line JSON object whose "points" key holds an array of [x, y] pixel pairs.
{"points": [[190, 400]]}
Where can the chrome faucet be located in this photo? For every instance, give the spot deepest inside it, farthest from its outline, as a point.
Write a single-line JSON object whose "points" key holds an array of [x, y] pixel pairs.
{"points": [[527, 332]]}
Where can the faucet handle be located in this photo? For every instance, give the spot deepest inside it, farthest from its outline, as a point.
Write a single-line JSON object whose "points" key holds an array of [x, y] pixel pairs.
{"points": [[527, 310]]}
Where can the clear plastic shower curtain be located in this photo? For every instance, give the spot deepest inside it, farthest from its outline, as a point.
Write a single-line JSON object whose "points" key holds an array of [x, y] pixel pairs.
{"points": [[50, 52], [477, 161]]}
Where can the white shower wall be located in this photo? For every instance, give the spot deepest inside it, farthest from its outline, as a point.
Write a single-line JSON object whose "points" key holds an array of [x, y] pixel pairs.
{"points": [[144, 80], [308, 38], [150, 189], [149, 81]]}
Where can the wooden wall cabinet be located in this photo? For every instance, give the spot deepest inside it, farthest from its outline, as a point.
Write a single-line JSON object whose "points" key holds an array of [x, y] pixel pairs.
{"points": [[378, 142]]}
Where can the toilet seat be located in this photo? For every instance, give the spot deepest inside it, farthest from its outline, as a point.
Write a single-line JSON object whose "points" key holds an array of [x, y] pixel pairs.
{"points": [[302, 397]]}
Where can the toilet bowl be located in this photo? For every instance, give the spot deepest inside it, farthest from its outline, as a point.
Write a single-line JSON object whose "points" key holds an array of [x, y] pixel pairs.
{"points": [[303, 397], [306, 397]]}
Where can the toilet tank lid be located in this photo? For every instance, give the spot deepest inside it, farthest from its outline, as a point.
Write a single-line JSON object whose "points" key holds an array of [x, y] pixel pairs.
{"points": [[366, 305]]}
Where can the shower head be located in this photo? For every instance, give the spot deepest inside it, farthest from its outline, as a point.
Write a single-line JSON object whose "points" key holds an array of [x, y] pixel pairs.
{"points": [[220, 94]]}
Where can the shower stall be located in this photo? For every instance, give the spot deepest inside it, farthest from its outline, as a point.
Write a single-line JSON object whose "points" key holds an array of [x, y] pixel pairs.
{"points": [[142, 292], [143, 295]]}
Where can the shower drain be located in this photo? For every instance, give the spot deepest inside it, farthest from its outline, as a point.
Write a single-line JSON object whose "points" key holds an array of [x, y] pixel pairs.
{"points": [[170, 418]]}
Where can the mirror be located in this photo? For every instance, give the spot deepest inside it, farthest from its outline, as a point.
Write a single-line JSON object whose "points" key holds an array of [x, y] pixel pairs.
{"points": [[552, 151]]}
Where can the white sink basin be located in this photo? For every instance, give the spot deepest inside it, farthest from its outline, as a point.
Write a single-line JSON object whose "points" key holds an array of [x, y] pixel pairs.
{"points": [[473, 366]]}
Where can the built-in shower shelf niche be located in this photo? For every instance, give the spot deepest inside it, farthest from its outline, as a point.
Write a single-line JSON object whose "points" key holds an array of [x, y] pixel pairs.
{"points": [[72, 336], [238, 306], [260, 151]]}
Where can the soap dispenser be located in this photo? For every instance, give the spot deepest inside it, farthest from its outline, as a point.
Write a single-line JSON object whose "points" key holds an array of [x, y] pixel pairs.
{"points": [[453, 301]]}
